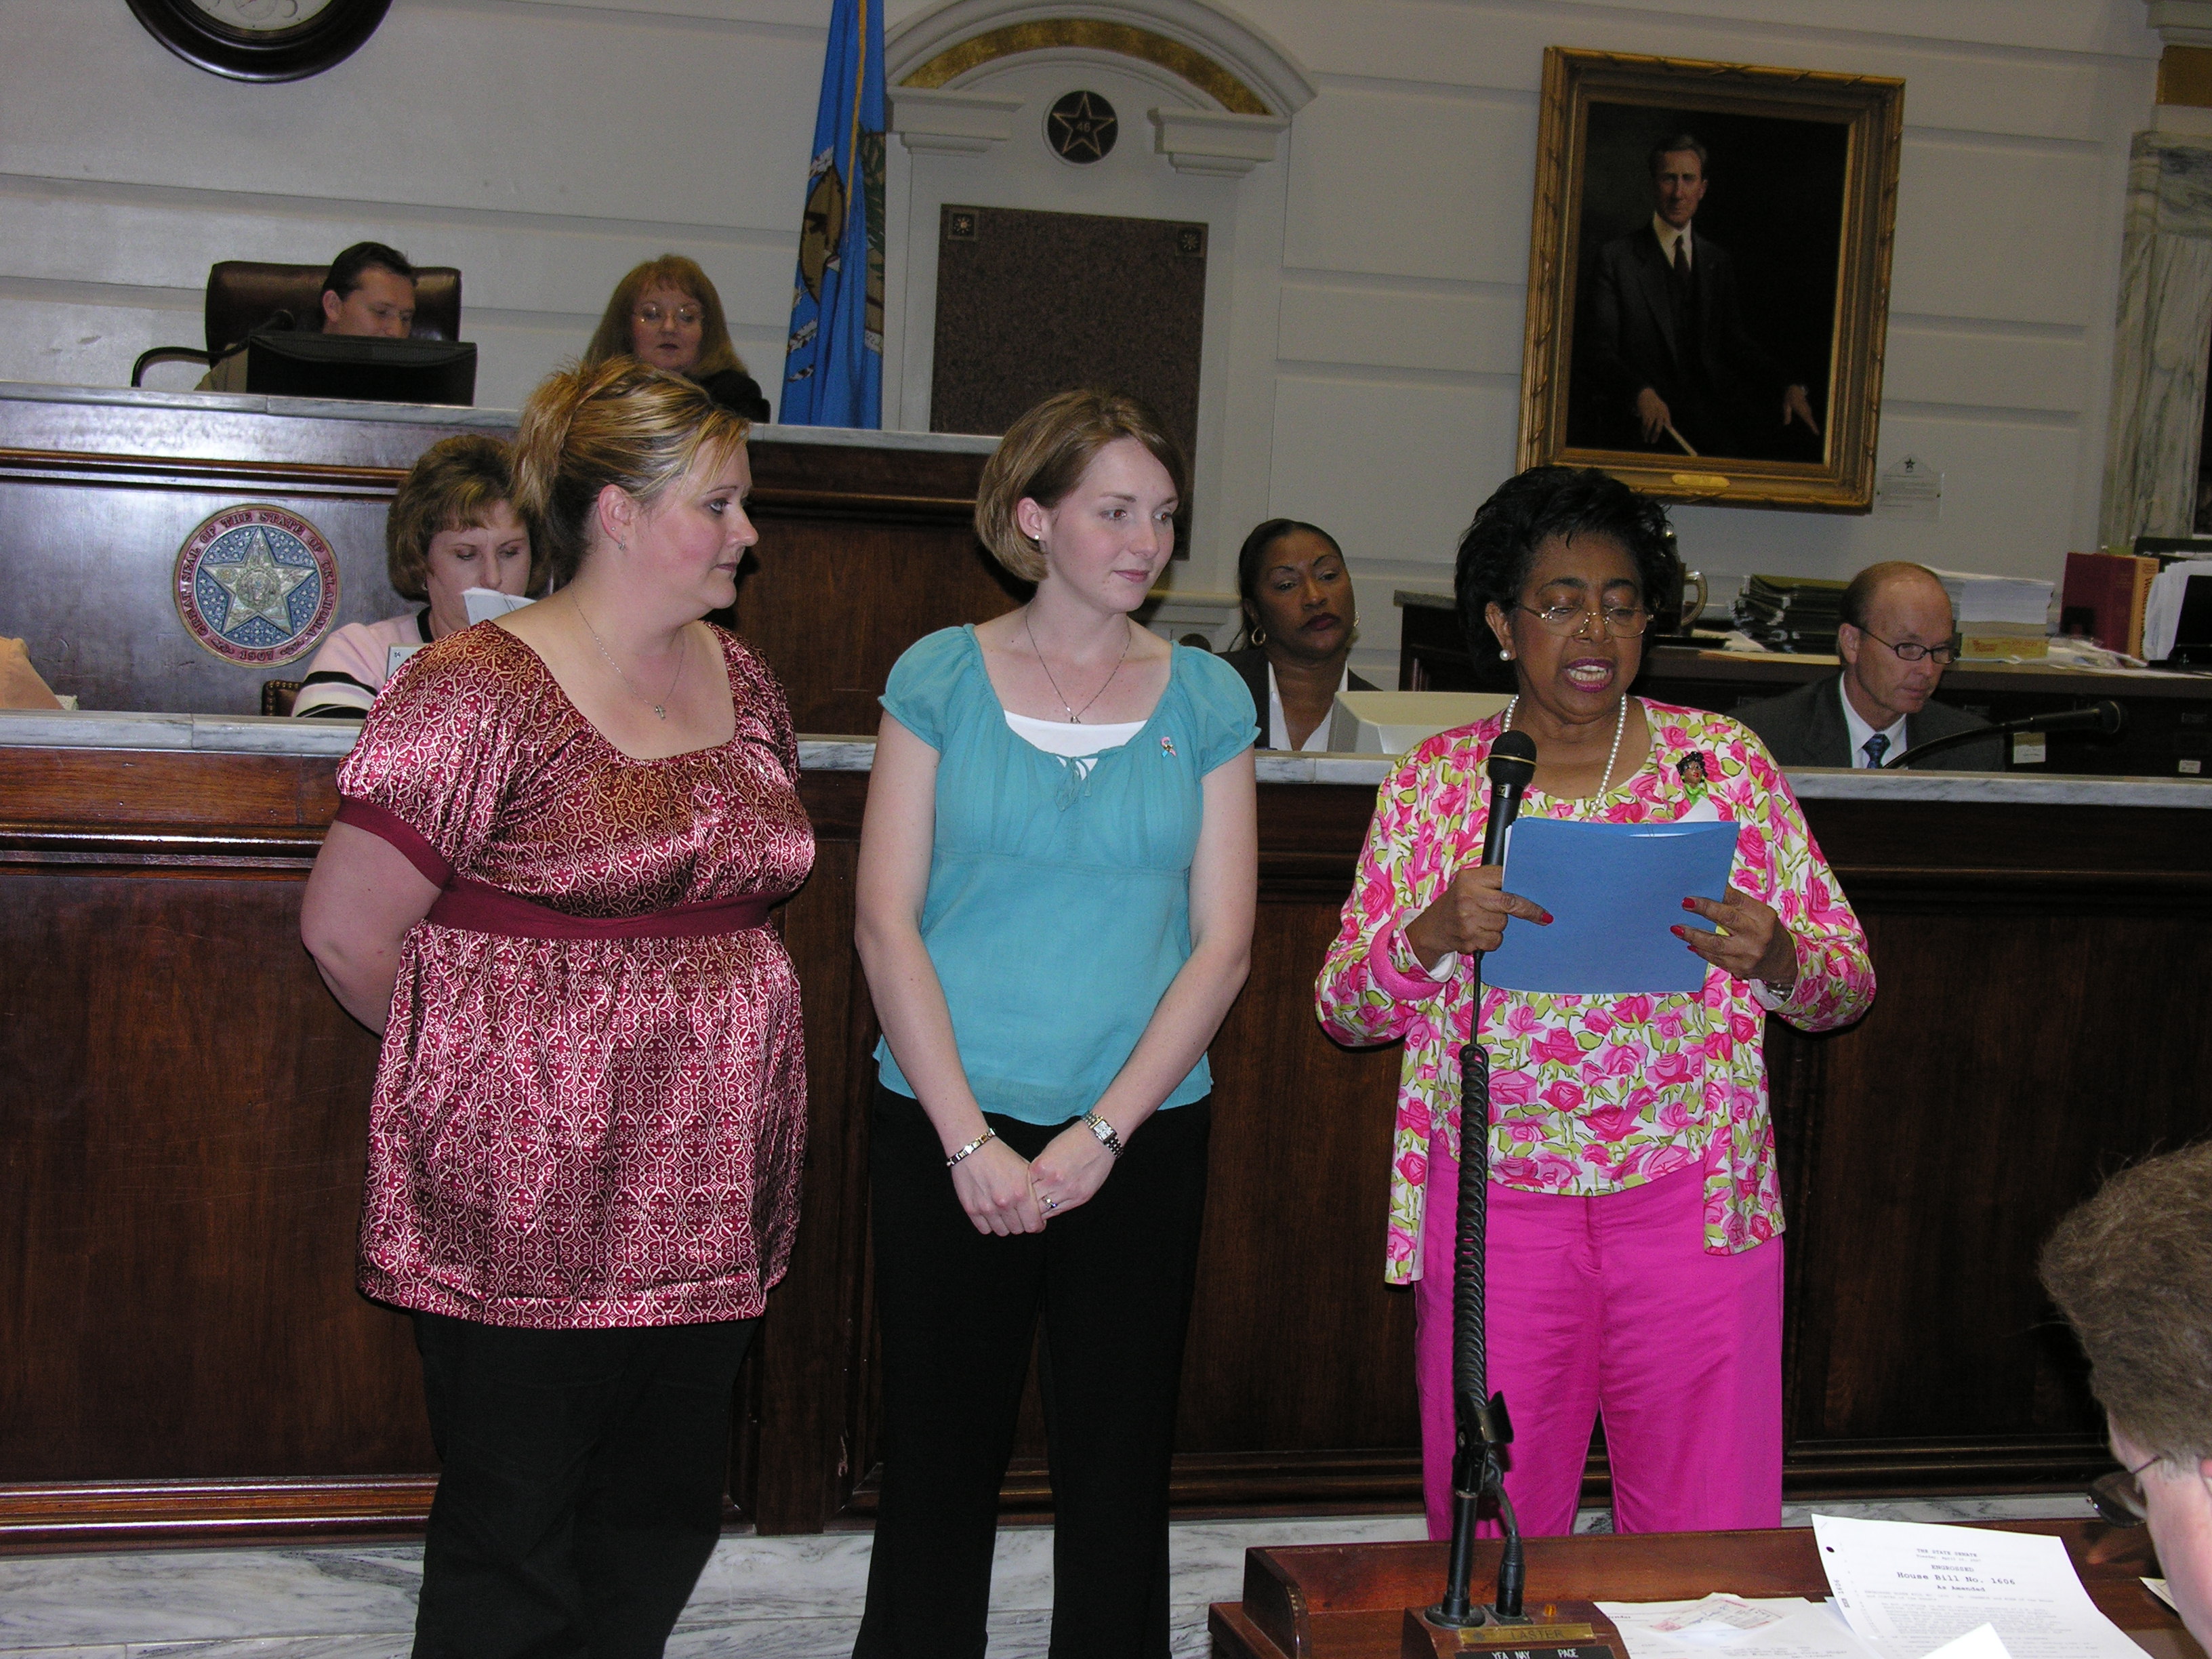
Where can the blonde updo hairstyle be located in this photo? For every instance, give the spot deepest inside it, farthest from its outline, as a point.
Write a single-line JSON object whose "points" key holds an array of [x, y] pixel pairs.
{"points": [[1045, 454], [641, 429]]}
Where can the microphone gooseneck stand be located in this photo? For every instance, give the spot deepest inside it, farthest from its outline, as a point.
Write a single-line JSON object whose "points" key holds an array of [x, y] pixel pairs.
{"points": [[2106, 718], [1483, 1429]]}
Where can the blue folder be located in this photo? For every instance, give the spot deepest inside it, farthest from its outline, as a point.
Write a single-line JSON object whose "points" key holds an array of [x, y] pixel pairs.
{"points": [[1614, 890]]}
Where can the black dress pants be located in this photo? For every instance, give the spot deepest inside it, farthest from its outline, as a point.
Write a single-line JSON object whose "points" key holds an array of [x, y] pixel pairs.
{"points": [[958, 1310], [582, 1485]]}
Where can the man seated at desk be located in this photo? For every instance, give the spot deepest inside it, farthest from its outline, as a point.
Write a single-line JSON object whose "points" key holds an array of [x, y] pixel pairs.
{"points": [[2132, 1270], [369, 292], [1895, 641]]}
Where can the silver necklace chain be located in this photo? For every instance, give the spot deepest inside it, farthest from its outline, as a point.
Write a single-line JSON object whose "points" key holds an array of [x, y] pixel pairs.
{"points": [[1074, 715], [682, 656], [1619, 726]]}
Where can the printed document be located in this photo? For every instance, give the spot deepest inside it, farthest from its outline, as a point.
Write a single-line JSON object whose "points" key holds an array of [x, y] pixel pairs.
{"points": [[1722, 1626], [1909, 1588]]}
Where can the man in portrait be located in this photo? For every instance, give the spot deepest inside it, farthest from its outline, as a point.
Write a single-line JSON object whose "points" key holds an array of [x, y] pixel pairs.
{"points": [[1665, 354]]}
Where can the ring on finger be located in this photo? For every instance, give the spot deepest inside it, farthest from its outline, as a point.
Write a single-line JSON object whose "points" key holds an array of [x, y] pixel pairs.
{"points": [[1051, 1203]]}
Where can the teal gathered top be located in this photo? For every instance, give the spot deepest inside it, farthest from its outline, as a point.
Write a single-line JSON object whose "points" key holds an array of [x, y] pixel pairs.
{"points": [[1059, 903]]}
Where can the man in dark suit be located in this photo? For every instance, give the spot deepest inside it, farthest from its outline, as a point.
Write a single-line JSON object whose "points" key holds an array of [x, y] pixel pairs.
{"points": [[1665, 354], [1895, 641]]}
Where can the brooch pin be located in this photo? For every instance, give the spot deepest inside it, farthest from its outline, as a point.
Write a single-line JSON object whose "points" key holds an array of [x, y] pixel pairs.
{"points": [[1167, 743], [1691, 770]]}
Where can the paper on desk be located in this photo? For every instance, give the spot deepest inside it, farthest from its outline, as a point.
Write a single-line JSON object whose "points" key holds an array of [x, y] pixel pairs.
{"points": [[1908, 1588], [1737, 1627], [2158, 1587], [1979, 1642]]}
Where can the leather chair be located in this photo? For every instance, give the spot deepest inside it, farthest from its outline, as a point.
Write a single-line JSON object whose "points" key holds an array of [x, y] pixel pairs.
{"points": [[244, 295]]}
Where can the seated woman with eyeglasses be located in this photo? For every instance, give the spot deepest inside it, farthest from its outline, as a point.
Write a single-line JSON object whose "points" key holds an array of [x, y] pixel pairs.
{"points": [[1635, 1257], [666, 314], [1895, 642]]}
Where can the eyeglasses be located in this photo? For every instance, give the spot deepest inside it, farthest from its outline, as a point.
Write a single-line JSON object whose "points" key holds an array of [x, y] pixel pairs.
{"points": [[2119, 1498], [1910, 650], [1622, 621], [653, 316]]}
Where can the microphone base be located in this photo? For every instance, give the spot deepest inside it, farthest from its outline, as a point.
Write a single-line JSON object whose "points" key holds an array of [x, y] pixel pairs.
{"points": [[1422, 1636]]}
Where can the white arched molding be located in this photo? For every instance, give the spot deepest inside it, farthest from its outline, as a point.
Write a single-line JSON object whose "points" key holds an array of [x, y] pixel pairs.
{"points": [[2161, 341], [1241, 88]]}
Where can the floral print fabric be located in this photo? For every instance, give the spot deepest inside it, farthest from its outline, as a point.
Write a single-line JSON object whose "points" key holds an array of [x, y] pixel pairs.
{"points": [[1592, 1094]]}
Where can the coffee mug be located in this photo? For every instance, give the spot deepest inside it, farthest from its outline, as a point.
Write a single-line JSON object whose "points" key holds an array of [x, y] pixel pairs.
{"points": [[1693, 598]]}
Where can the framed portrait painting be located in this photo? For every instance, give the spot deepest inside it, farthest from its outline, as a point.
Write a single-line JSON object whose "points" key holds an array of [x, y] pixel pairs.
{"points": [[1709, 277]]}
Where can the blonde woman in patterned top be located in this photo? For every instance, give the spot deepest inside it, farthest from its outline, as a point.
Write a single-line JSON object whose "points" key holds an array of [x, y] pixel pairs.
{"points": [[1635, 1256], [549, 886]]}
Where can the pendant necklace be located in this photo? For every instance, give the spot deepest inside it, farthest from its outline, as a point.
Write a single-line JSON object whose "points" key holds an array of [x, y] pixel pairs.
{"points": [[1620, 724], [1074, 715], [682, 656]]}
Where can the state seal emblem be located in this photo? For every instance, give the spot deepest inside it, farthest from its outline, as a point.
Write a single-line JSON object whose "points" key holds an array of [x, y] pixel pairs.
{"points": [[257, 585]]}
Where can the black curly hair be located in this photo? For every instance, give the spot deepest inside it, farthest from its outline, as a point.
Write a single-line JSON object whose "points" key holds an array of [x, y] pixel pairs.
{"points": [[1531, 507]]}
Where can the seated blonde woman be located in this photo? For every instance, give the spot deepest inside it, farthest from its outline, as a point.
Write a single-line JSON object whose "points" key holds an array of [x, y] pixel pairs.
{"points": [[452, 527], [666, 314]]}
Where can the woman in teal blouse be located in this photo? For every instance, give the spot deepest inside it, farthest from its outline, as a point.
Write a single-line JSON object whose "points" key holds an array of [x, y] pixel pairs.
{"points": [[1058, 871]]}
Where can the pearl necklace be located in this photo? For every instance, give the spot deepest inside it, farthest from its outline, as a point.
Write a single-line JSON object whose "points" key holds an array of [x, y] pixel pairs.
{"points": [[1619, 726]]}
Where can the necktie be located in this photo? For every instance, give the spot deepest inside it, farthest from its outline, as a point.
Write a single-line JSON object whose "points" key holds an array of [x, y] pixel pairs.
{"points": [[1875, 747], [1681, 256]]}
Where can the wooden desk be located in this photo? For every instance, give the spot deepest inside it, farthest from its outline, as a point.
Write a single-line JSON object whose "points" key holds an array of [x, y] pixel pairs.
{"points": [[866, 539], [1348, 1601], [2169, 728], [184, 1114]]}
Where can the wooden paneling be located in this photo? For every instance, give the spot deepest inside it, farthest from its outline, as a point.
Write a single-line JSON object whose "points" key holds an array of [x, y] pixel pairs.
{"points": [[2169, 719], [182, 1354], [862, 549]]}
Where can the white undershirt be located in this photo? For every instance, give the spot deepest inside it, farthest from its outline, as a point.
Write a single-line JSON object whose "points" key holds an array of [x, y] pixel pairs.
{"points": [[1079, 745], [1279, 729], [1860, 732]]}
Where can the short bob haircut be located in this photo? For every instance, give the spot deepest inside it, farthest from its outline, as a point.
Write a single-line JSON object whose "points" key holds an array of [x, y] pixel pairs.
{"points": [[622, 423], [1528, 510], [1252, 555], [2132, 1269], [613, 339], [1046, 453], [453, 486]]}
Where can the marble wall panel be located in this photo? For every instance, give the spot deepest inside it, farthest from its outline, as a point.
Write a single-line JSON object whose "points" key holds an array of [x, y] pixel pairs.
{"points": [[1410, 184], [1995, 229], [1461, 328]]}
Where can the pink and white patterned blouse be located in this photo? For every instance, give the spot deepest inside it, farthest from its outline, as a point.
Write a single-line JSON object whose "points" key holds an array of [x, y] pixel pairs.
{"points": [[574, 1132], [1591, 1094]]}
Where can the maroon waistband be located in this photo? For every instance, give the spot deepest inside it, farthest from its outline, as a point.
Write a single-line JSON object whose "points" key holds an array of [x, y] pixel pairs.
{"points": [[476, 908]]}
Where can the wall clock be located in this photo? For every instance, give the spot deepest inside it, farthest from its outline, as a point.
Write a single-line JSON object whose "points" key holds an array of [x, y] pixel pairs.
{"points": [[262, 39]]}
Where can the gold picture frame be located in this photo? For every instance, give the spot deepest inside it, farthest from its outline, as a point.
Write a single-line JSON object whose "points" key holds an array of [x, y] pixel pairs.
{"points": [[1803, 165]]}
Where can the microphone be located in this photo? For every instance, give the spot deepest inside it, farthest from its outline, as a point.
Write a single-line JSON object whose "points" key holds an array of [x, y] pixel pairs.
{"points": [[2104, 717], [1511, 768]]}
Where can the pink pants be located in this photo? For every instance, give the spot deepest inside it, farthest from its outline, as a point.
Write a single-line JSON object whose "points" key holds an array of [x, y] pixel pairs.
{"points": [[1612, 1306]]}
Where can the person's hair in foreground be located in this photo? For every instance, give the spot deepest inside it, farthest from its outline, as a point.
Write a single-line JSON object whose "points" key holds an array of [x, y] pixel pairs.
{"points": [[612, 337], [345, 272], [1045, 454], [1529, 509], [454, 485], [618, 424], [2131, 1269]]}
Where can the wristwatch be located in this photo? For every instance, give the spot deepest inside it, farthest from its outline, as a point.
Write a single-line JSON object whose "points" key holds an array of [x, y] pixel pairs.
{"points": [[1100, 1127]]}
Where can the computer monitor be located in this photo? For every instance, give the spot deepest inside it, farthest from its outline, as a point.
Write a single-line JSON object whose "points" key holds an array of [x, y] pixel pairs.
{"points": [[284, 363], [2192, 633]]}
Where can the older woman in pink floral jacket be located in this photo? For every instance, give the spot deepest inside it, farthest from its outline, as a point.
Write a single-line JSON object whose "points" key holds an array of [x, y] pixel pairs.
{"points": [[1635, 1257]]}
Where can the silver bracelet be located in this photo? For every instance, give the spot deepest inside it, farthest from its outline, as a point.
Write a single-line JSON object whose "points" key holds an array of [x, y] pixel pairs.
{"points": [[974, 1146], [1104, 1131]]}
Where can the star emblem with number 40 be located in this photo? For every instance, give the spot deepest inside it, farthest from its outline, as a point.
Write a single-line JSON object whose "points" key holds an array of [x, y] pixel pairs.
{"points": [[257, 585], [1081, 128]]}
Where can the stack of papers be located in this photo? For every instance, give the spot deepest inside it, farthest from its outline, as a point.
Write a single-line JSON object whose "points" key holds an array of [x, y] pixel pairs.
{"points": [[1790, 613], [1999, 616], [2162, 610], [1902, 1591]]}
